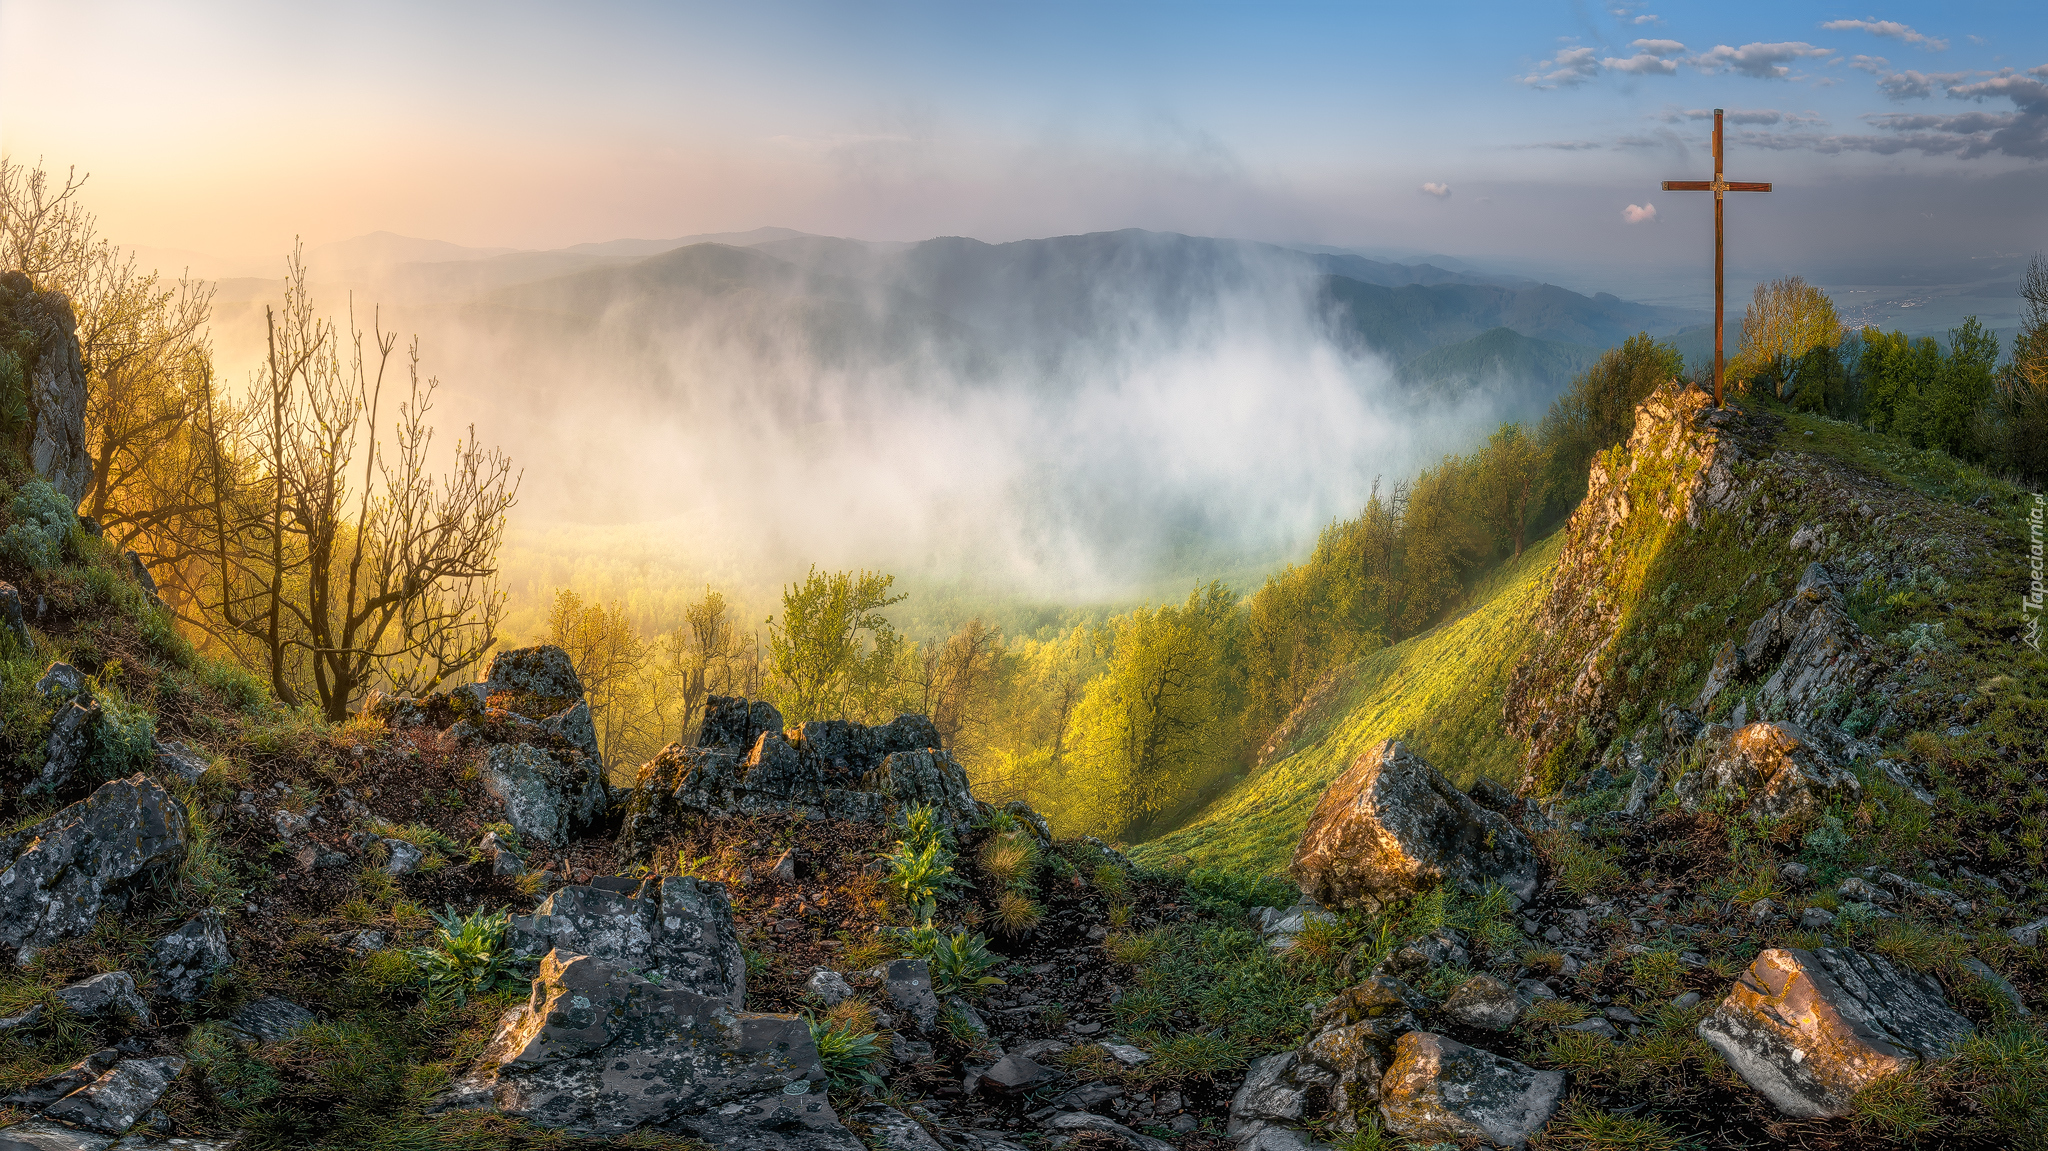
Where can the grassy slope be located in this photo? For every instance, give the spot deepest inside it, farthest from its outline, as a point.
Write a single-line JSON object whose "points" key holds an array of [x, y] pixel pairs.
{"points": [[1441, 690]]}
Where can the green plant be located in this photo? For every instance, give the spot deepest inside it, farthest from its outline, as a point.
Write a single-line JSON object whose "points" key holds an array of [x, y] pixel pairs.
{"points": [[918, 876], [845, 1052], [1580, 1127], [43, 522], [959, 962], [467, 954], [1017, 913]]}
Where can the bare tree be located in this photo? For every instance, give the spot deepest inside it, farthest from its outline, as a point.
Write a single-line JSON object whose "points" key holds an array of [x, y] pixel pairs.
{"points": [[328, 599], [44, 231]]}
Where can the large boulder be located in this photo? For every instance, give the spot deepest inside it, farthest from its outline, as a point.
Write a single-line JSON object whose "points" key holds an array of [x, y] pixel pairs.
{"points": [[744, 763], [544, 673], [1773, 770], [55, 382], [58, 876], [1441, 1090], [1392, 825], [1812, 652], [600, 1052], [1808, 1029], [677, 931], [547, 798], [1351, 1041]]}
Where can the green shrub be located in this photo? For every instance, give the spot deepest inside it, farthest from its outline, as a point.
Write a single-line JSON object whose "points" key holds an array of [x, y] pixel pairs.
{"points": [[43, 522], [959, 962], [918, 876]]}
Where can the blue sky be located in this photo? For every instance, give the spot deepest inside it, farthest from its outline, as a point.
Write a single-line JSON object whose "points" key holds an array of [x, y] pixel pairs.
{"points": [[230, 128]]}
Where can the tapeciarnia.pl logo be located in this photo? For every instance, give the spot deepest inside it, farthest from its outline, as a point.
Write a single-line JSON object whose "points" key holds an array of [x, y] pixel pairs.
{"points": [[2036, 595]]}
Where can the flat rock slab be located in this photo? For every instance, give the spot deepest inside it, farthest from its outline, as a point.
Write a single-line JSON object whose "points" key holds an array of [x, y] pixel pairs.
{"points": [[892, 1130], [112, 1103], [269, 1020], [1440, 1089], [677, 931], [1068, 1123], [1392, 825], [108, 993], [908, 985], [1808, 1029], [58, 876]]}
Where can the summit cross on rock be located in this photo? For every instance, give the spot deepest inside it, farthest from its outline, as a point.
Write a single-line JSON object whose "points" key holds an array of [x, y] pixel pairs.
{"points": [[1717, 186]]}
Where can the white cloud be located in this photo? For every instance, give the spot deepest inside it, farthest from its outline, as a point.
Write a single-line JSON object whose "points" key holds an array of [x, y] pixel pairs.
{"points": [[1658, 47], [1889, 28], [1564, 145], [1739, 116], [1571, 66], [1639, 214], [1641, 64], [1440, 191], [1762, 61]]}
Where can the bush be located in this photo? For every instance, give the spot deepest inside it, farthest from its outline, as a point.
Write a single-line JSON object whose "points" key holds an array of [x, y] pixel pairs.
{"points": [[43, 519], [959, 962]]}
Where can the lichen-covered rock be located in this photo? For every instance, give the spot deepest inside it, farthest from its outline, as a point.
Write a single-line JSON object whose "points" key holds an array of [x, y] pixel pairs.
{"points": [[1391, 826], [36, 1096], [907, 985], [546, 799], [677, 931], [1351, 1044], [544, 672], [575, 727], [61, 874], [744, 763], [187, 958], [1484, 1002], [1440, 1089], [74, 735], [1808, 1029], [108, 993], [1776, 770], [56, 384], [1814, 653], [11, 621], [177, 760], [112, 1103], [599, 1051], [1271, 1093]]}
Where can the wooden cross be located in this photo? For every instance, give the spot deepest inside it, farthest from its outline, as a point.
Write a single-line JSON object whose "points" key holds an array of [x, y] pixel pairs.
{"points": [[1717, 186]]}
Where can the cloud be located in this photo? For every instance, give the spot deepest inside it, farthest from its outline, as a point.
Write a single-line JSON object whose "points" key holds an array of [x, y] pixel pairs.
{"points": [[1627, 13], [1739, 116], [1440, 191], [1658, 47], [1889, 28], [1639, 214], [1570, 67], [2021, 133], [1906, 85], [1565, 145], [1762, 61], [1642, 64]]}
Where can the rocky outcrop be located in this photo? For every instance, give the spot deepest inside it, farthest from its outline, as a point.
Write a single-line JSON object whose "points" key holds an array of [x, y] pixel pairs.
{"points": [[1351, 1042], [53, 382], [1440, 1089], [1808, 1029], [540, 756], [600, 1052], [744, 763], [114, 1102], [1813, 653], [1771, 770], [1679, 464], [677, 931], [1391, 825], [11, 622], [61, 874]]}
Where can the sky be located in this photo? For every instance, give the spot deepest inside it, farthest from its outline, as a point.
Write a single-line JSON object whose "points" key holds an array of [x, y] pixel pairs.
{"points": [[1915, 134]]}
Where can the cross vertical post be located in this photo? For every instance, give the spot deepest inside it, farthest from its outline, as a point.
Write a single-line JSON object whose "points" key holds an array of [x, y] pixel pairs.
{"points": [[1719, 186]]}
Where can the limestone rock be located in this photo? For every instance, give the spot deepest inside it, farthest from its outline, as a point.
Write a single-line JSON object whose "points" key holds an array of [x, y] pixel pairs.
{"points": [[1071, 1122], [58, 876], [1269, 1094], [830, 987], [1484, 1002], [269, 1020], [1808, 1029], [677, 931], [1440, 1089], [544, 672], [907, 985], [744, 763], [36, 1096], [546, 800], [403, 858], [1014, 1075], [1814, 653], [108, 993], [1391, 826], [11, 621], [1777, 767], [187, 958], [600, 1052], [892, 1130], [178, 760], [56, 384], [74, 733], [574, 725], [1444, 947], [112, 1103], [1352, 1041]]}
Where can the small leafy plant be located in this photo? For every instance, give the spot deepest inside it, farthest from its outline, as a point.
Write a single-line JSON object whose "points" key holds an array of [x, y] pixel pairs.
{"points": [[846, 1053], [959, 962], [467, 954]]}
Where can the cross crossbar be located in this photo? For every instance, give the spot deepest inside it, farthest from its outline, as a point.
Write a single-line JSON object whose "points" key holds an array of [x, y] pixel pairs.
{"points": [[1718, 186]]}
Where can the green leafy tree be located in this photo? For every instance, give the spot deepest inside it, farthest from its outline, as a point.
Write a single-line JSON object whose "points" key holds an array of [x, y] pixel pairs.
{"points": [[832, 651], [1513, 475], [1788, 320], [2014, 426], [1598, 411]]}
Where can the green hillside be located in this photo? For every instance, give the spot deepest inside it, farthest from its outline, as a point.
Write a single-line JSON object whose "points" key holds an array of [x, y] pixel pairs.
{"points": [[1440, 690]]}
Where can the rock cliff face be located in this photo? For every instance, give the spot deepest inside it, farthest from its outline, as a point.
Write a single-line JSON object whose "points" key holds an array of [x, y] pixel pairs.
{"points": [[52, 381]]}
